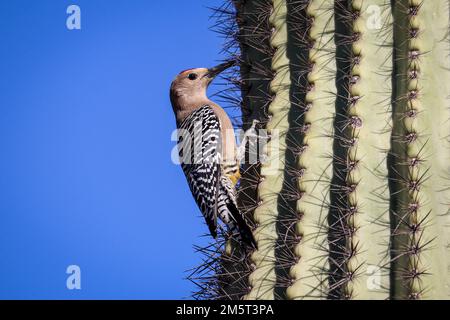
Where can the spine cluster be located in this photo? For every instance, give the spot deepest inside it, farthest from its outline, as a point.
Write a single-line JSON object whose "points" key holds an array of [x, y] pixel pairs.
{"points": [[420, 211]]}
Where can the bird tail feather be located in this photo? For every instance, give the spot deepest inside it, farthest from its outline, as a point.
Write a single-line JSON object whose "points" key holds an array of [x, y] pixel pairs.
{"points": [[238, 223]]}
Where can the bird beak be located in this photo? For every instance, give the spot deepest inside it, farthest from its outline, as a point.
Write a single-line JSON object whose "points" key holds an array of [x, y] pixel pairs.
{"points": [[214, 71]]}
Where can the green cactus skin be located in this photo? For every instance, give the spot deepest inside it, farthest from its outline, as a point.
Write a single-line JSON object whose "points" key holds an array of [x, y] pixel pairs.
{"points": [[310, 271], [372, 193], [421, 148], [360, 205], [263, 278], [354, 200], [254, 31]]}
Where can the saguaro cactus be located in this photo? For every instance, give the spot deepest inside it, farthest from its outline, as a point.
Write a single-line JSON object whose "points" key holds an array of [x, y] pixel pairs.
{"points": [[353, 201]]}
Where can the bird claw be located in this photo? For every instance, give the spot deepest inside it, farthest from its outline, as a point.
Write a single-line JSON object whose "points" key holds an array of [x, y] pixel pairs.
{"points": [[251, 136]]}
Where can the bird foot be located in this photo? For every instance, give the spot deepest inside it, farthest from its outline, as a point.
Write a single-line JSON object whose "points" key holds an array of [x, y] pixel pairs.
{"points": [[251, 137]]}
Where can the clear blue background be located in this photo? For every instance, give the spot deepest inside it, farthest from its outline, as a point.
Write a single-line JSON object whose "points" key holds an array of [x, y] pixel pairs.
{"points": [[86, 176]]}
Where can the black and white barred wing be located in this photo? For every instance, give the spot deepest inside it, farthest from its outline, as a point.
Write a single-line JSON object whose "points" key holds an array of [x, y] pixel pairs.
{"points": [[199, 146]]}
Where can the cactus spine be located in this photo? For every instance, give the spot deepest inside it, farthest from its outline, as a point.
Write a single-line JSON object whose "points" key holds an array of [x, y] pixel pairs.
{"points": [[420, 151], [353, 201], [360, 208], [316, 101]]}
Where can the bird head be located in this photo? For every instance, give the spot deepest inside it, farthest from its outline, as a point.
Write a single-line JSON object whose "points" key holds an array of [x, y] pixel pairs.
{"points": [[188, 90]]}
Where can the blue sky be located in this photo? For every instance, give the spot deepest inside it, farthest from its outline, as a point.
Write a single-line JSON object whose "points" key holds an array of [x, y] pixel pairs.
{"points": [[86, 176]]}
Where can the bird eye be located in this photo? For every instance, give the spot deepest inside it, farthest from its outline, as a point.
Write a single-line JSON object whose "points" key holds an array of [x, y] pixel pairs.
{"points": [[192, 76]]}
